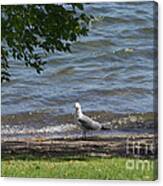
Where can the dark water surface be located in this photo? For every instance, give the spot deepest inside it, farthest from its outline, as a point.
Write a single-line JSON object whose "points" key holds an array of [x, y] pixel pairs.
{"points": [[111, 70]]}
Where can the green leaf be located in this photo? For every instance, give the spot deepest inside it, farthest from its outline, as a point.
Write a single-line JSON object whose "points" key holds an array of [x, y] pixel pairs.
{"points": [[48, 27]]}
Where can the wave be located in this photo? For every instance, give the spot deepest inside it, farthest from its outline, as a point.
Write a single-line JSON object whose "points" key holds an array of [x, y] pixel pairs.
{"points": [[62, 126]]}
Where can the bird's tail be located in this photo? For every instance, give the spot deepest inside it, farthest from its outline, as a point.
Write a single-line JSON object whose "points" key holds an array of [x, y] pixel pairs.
{"points": [[106, 126]]}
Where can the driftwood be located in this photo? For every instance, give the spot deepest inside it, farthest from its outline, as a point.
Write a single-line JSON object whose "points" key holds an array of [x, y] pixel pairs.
{"points": [[135, 146]]}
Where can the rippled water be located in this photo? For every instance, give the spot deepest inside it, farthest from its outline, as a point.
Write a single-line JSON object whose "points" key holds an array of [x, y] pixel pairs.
{"points": [[110, 70]]}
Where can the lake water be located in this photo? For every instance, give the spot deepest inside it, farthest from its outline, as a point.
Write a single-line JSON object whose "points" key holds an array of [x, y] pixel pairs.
{"points": [[112, 69]]}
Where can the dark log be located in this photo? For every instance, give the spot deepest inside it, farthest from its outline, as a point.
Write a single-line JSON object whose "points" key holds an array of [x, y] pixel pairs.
{"points": [[135, 146]]}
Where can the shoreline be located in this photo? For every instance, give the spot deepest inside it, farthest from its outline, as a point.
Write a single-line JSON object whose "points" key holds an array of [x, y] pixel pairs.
{"points": [[140, 129]]}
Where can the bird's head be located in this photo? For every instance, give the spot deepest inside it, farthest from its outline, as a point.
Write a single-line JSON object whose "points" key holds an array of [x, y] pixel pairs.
{"points": [[77, 106], [78, 109]]}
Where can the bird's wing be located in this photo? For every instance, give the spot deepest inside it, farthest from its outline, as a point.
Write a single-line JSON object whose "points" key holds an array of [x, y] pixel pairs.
{"points": [[88, 123]]}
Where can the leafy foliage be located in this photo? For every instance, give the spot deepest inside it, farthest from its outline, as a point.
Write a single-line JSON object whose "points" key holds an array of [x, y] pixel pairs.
{"points": [[26, 28]]}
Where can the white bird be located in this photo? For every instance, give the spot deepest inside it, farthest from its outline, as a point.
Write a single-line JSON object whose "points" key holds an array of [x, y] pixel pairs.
{"points": [[85, 122]]}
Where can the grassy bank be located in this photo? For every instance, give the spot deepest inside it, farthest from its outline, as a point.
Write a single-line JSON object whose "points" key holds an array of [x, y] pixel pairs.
{"points": [[83, 168]]}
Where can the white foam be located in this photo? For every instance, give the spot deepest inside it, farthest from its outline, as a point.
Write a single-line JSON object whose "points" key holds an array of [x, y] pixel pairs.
{"points": [[8, 130]]}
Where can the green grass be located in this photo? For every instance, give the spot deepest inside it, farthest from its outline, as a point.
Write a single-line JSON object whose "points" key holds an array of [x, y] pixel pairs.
{"points": [[83, 168]]}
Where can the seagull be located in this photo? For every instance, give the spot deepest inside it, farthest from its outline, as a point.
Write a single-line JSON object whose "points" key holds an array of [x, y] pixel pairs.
{"points": [[85, 122]]}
